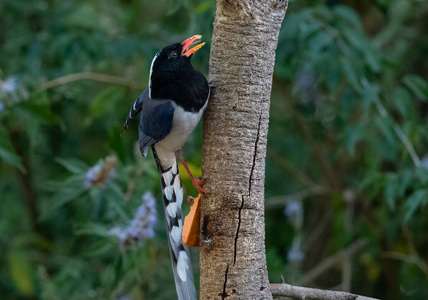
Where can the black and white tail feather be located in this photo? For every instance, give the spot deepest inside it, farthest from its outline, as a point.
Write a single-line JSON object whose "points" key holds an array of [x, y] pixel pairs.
{"points": [[172, 196]]}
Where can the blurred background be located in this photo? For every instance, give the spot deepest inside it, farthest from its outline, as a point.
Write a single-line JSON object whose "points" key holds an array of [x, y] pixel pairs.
{"points": [[347, 162]]}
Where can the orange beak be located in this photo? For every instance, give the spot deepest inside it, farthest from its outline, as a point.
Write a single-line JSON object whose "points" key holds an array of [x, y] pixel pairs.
{"points": [[190, 42]]}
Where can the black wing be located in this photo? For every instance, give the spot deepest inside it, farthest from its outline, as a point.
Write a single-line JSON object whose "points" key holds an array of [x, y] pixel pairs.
{"points": [[155, 121], [135, 110]]}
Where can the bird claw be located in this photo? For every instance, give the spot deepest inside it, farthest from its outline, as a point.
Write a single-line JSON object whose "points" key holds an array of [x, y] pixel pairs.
{"points": [[198, 182]]}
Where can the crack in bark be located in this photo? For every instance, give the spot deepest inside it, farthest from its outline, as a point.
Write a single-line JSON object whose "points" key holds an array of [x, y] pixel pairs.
{"points": [[237, 229], [224, 294], [255, 153], [249, 188]]}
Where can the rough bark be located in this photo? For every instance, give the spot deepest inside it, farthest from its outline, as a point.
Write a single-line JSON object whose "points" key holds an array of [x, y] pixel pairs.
{"points": [[232, 258]]}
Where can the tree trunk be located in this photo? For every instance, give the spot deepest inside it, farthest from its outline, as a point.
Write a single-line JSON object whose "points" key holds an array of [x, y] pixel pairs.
{"points": [[232, 258]]}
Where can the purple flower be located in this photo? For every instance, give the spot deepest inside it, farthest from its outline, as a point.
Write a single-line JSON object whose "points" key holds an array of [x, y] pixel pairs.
{"points": [[119, 232], [102, 173], [91, 176], [10, 85], [14, 88], [141, 211], [151, 219], [149, 200], [149, 233], [1, 106], [142, 226]]}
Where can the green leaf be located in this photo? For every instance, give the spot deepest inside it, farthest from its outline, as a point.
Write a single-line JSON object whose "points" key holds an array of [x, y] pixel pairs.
{"points": [[351, 73], [309, 28], [353, 135], [372, 184], [7, 153], [75, 166], [40, 113], [12, 159], [104, 102], [406, 177], [114, 196], [65, 196], [84, 15], [99, 248], [349, 15], [401, 99], [320, 41], [67, 190], [391, 190], [354, 38], [116, 143], [176, 5], [20, 271], [417, 85], [372, 58], [92, 229], [359, 41], [418, 198], [204, 6], [386, 127], [370, 93]]}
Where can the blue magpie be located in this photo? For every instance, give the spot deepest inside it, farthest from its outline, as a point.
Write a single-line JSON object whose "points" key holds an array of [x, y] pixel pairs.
{"points": [[171, 107]]}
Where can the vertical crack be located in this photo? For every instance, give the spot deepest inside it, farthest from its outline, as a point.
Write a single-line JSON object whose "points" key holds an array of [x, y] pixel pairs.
{"points": [[237, 229], [255, 153], [249, 187], [224, 294]]}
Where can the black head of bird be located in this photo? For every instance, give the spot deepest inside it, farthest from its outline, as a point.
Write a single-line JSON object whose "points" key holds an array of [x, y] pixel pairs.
{"points": [[173, 77]]}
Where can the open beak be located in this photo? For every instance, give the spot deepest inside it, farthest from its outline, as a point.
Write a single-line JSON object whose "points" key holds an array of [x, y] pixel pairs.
{"points": [[187, 51]]}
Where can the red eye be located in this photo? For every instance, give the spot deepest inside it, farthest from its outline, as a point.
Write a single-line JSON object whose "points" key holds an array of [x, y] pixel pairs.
{"points": [[173, 54]]}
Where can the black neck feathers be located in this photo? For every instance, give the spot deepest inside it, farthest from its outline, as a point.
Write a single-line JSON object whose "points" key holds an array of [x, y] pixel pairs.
{"points": [[187, 87]]}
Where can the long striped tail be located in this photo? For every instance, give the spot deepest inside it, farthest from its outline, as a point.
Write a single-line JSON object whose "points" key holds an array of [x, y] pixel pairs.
{"points": [[172, 196]]}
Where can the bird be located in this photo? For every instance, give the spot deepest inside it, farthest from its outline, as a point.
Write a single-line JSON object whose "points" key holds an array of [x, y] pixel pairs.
{"points": [[171, 107]]}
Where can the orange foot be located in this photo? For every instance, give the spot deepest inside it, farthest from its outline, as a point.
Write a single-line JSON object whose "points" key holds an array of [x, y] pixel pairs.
{"points": [[198, 182]]}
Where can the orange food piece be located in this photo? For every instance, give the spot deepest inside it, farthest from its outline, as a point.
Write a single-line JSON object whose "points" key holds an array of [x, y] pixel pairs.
{"points": [[191, 227]]}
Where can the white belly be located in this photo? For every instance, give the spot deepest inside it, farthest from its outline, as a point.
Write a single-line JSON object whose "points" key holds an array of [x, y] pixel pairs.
{"points": [[183, 124]]}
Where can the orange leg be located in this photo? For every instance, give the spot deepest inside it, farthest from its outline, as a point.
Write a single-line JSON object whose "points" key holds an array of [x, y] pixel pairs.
{"points": [[197, 182]]}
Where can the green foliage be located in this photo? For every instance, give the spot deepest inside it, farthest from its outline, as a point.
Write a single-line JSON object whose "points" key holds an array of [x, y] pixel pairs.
{"points": [[359, 107], [56, 221], [417, 85], [347, 145]]}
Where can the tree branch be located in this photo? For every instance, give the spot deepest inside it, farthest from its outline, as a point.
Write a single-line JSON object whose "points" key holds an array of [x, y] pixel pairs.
{"points": [[91, 76], [297, 292]]}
